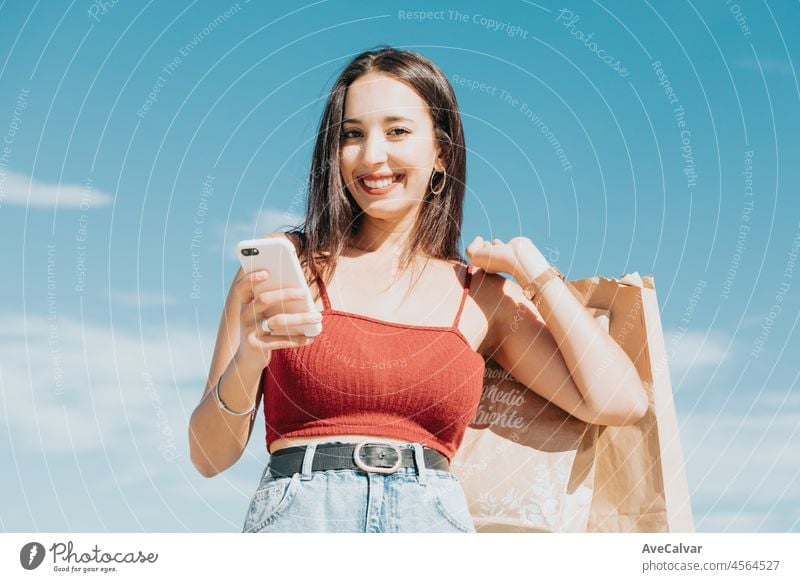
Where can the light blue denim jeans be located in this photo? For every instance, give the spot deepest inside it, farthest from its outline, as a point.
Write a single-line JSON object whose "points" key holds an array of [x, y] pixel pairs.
{"points": [[352, 500]]}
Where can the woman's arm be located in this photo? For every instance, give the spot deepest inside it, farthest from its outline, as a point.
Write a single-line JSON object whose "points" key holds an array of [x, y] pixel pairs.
{"points": [[217, 439], [565, 355]]}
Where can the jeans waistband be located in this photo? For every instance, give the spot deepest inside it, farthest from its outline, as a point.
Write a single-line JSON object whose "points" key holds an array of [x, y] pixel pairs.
{"points": [[371, 456]]}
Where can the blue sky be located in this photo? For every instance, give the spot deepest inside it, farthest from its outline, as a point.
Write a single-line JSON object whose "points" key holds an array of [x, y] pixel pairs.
{"points": [[142, 141]]}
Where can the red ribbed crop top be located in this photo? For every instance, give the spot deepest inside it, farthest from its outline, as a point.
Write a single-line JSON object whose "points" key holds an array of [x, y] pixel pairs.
{"points": [[368, 376]]}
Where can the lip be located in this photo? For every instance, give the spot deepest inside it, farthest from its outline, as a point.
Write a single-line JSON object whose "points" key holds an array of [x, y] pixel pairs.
{"points": [[379, 175], [398, 179]]}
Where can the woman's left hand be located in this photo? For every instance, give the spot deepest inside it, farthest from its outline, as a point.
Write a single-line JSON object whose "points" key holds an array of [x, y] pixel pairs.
{"points": [[500, 257]]}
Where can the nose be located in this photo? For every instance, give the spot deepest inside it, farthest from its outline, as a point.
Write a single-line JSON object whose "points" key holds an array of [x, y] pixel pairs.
{"points": [[374, 151]]}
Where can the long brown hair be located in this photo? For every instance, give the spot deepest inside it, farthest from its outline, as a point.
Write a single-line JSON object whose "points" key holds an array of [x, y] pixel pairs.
{"points": [[333, 216]]}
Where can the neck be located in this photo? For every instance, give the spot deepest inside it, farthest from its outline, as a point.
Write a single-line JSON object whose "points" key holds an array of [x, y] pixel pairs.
{"points": [[383, 237]]}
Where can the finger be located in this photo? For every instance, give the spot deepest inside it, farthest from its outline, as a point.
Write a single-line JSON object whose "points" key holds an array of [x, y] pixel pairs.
{"points": [[273, 342], [246, 287], [292, 293], [279, 298], [292, 323]]}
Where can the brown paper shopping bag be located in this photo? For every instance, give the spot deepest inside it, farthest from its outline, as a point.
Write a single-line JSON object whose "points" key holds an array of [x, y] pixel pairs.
{"points": [[528, 466]]}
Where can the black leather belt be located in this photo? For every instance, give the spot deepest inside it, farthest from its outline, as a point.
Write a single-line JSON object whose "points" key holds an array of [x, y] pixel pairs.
{"points": [[370, 456]]}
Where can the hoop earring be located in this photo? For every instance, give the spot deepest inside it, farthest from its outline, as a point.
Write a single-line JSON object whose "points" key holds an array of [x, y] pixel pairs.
{"points": [[444, 179]]}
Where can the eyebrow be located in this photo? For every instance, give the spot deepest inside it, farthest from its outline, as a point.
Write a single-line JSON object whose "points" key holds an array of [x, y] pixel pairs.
{"points": [[387, 118]]}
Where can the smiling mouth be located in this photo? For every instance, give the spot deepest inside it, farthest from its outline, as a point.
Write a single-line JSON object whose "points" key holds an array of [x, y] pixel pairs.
{"points": [[380, 186]]}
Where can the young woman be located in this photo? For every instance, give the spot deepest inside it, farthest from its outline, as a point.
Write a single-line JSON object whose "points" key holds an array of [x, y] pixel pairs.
{"points": [[362, 423]]}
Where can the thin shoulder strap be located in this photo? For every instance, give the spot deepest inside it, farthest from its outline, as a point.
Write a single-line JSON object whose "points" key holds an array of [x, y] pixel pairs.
{"points": [[467, 282], [324, 293]]}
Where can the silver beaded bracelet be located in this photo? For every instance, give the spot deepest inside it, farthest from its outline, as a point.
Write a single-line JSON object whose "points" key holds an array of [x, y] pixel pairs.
{"points": [[221, 404]]}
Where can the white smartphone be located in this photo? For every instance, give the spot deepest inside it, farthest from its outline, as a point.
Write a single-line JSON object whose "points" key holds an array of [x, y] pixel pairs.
{"points": [[278, 257]]}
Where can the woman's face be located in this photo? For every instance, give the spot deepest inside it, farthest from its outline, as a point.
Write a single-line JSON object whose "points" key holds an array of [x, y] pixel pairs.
{"points": [[387, 134]]}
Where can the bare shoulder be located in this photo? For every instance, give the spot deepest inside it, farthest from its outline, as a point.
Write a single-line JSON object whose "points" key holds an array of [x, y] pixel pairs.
{"points": [[499, 298], [492, 292]]}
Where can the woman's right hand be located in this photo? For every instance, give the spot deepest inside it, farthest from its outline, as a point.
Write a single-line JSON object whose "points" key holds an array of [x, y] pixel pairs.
{"points": [[258, 304]]}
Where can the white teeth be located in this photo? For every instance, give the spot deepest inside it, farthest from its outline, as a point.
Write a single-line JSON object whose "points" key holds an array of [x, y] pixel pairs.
{"points": [[378, 183]]}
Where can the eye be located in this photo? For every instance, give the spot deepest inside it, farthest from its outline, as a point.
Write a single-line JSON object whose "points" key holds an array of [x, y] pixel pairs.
{"points": [[347, 134]]}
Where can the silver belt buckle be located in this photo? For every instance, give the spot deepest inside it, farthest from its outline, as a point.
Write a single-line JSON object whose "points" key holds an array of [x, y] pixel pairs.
{"points": [[369, 468]]}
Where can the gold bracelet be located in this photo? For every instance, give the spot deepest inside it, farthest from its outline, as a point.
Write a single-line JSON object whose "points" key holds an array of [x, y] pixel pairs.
{"points": [[533, 291]]}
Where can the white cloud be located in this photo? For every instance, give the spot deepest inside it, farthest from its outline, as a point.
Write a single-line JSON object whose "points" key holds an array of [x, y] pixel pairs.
{"points": [[22, 190], [72, 386], [769, 65], [270, 220], [142, 299], [695, 349], [743, 522], [746, 462], [121, 435], [266, 221], [783, 401], [753, 320]]}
